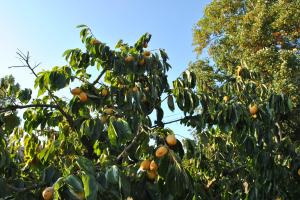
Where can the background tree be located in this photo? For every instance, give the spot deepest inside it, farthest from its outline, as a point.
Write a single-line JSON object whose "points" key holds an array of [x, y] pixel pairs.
{"points": [[248, 125]]}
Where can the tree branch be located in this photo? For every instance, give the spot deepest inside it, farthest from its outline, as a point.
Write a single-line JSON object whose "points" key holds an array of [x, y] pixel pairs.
{"points": [[99, 77], [170, 122], [131, 145], [14, 107], [26, 58], [33, 187], [234, 170], [159, 102]]}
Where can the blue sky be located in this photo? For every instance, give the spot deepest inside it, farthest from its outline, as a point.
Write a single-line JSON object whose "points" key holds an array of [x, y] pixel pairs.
{"points": [[47, 28]]}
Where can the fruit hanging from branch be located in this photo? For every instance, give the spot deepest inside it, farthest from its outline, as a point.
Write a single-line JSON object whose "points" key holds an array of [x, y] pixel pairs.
{"points": [[48, 193], [145, 165], [76, 91], [83, 97], [253, 109], [171, 140], [161, 151]]}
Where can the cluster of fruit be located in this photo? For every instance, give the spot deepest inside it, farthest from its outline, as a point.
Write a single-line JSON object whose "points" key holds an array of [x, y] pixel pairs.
{"points": [[151, 166], [83, 95], [78, 92], [141, 62], [253, 109]]}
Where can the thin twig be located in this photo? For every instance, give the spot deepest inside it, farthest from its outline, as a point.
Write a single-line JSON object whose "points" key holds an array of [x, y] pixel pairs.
{"points": [[17, 66], [170, 122], [26, 58], [162, 100], [82, 80], [234, 170]]}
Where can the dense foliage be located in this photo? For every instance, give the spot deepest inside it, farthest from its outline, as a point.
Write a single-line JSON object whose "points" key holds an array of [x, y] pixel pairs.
{"points": [[253, 48], [99, 144], [242, 102]]}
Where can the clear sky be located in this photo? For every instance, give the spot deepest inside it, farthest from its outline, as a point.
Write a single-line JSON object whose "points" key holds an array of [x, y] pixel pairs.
{"points": [[47, 28]]}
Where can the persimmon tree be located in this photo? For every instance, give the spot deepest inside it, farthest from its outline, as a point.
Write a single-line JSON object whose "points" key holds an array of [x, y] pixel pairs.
{"points": [[101, 143], [247, 131]]}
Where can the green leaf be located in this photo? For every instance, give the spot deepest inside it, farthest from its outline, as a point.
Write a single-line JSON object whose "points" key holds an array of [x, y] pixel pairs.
{"points": [[122, 129], [11, 121], [82, 26], [50, 174], [58, 80], [74, 183], [190, 147], [90, 186], [25, 95], [188, 101], [159, 115], [112, 133], [57, 185], [42, 81], [119, 44], [187, 78], [112, 175], [86, 165], [171, 103], [163, 55], [164, 164], [92, 128], [108, 77]]}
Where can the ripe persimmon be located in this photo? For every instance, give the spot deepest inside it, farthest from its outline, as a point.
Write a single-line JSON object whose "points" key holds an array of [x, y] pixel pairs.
{"points": [[76, 91], [171, 140], [153, 166], [225, 99], [161, 151], [129, 59], [238, 71], [83, 97], [145, 165], [253, 109], [48, 193], [146, 53]]}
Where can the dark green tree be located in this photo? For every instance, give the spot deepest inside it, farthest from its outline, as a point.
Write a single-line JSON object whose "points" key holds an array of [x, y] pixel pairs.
{"points": [[249, 121]]}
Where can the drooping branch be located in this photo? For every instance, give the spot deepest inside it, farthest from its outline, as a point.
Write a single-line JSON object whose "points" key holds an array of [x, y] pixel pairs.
{"points": [[130, 146], [14, 107], [136, 138], [25, 58]]}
